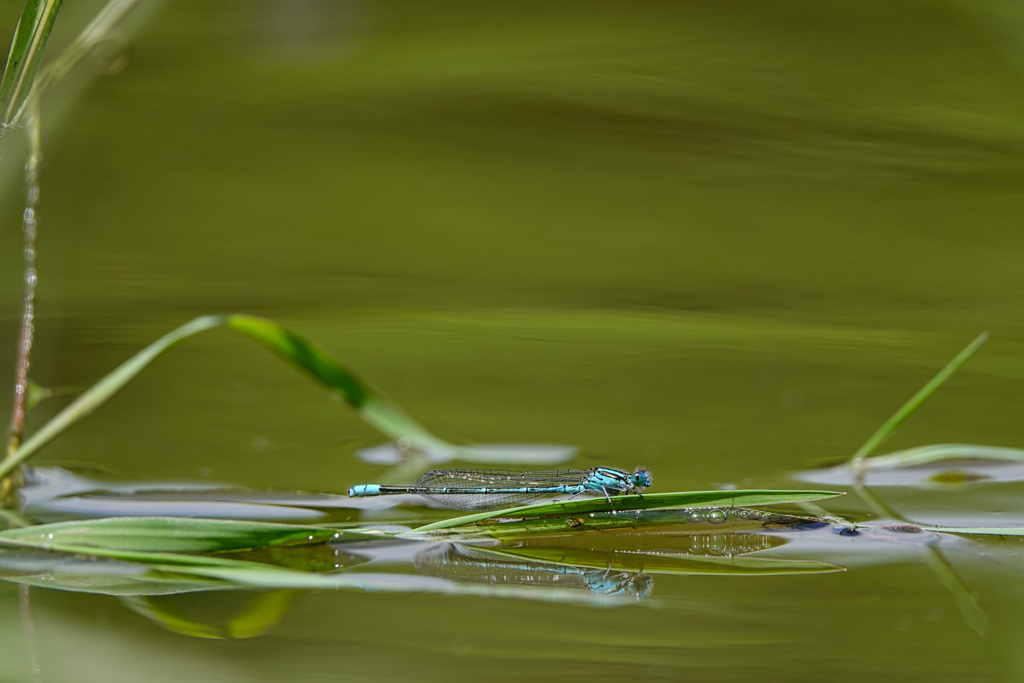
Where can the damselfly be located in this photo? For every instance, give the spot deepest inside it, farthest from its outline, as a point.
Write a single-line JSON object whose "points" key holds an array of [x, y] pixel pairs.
{"points": [[465, 489]]}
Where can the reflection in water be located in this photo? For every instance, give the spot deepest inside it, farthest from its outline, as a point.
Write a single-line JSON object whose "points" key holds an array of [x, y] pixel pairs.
{"points": [[474, 565]]}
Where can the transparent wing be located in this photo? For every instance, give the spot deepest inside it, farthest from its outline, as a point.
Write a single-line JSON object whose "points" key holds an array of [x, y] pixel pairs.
{"points": [[477, 489]]}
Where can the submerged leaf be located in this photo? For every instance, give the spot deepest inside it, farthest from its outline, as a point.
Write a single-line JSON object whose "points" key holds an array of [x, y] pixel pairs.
{"points": [[258, 613], [675, 563]]}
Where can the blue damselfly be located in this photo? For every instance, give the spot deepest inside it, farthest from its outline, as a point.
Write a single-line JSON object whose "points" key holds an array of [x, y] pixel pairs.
{"points": [[472, 489]]}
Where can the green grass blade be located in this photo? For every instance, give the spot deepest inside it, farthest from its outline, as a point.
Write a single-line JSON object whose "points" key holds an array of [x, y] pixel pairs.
{"points": [[370, 403], [908, 409], [171, 534], [100, 392], [738, 520], [23, 61], [140, 556], [689, 499]]}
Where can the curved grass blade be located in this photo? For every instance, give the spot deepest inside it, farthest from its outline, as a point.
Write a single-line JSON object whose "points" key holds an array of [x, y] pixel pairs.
{"points": [[23, 61], [98, 394], [371, 404], [689, 499], [908, 409]]}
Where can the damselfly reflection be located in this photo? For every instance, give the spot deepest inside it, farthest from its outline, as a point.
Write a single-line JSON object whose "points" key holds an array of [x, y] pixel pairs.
{"points": [[476, 565]]}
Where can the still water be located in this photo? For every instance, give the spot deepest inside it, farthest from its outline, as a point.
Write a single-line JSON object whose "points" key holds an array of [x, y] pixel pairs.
{"points": [[724, 241]]}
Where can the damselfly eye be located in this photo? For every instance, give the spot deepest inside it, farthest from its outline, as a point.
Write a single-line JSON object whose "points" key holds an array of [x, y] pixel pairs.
{"points": [[642, 478]]}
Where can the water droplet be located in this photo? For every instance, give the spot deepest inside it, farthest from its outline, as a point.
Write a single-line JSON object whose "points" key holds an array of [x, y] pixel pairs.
{"points": [[717, 516], [696, 516]]}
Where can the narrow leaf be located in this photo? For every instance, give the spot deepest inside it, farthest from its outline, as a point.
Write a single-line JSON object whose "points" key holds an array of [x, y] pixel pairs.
{"points": [[690, 499], [977, 530], [169, 534], [100, 392], [23, 61], [370, 403], [908, 409]]}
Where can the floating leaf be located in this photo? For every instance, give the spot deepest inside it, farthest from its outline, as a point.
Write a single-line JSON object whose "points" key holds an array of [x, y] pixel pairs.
{"points": [[167, 535], [977, 530], [924, 455]]}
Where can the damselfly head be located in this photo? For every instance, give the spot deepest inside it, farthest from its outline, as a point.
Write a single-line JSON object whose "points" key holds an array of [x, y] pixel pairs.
{"points": [[642, 478]]}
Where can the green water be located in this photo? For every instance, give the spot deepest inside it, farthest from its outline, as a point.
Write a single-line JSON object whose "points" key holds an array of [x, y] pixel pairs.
{"points": [[720, 240]]}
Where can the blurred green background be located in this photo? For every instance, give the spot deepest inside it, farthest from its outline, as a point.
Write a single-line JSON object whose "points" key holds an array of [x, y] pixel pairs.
{"points": [[721, 240]]}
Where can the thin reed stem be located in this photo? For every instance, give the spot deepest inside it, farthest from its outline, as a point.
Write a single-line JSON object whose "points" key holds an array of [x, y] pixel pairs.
{"points": [[30, 280]]}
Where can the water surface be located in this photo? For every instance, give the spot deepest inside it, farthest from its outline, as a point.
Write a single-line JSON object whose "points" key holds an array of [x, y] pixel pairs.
{"points": [[720, 240]]}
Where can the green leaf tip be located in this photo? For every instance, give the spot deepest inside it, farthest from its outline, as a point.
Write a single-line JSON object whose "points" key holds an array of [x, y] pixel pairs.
{"points": [[915, 402]]}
